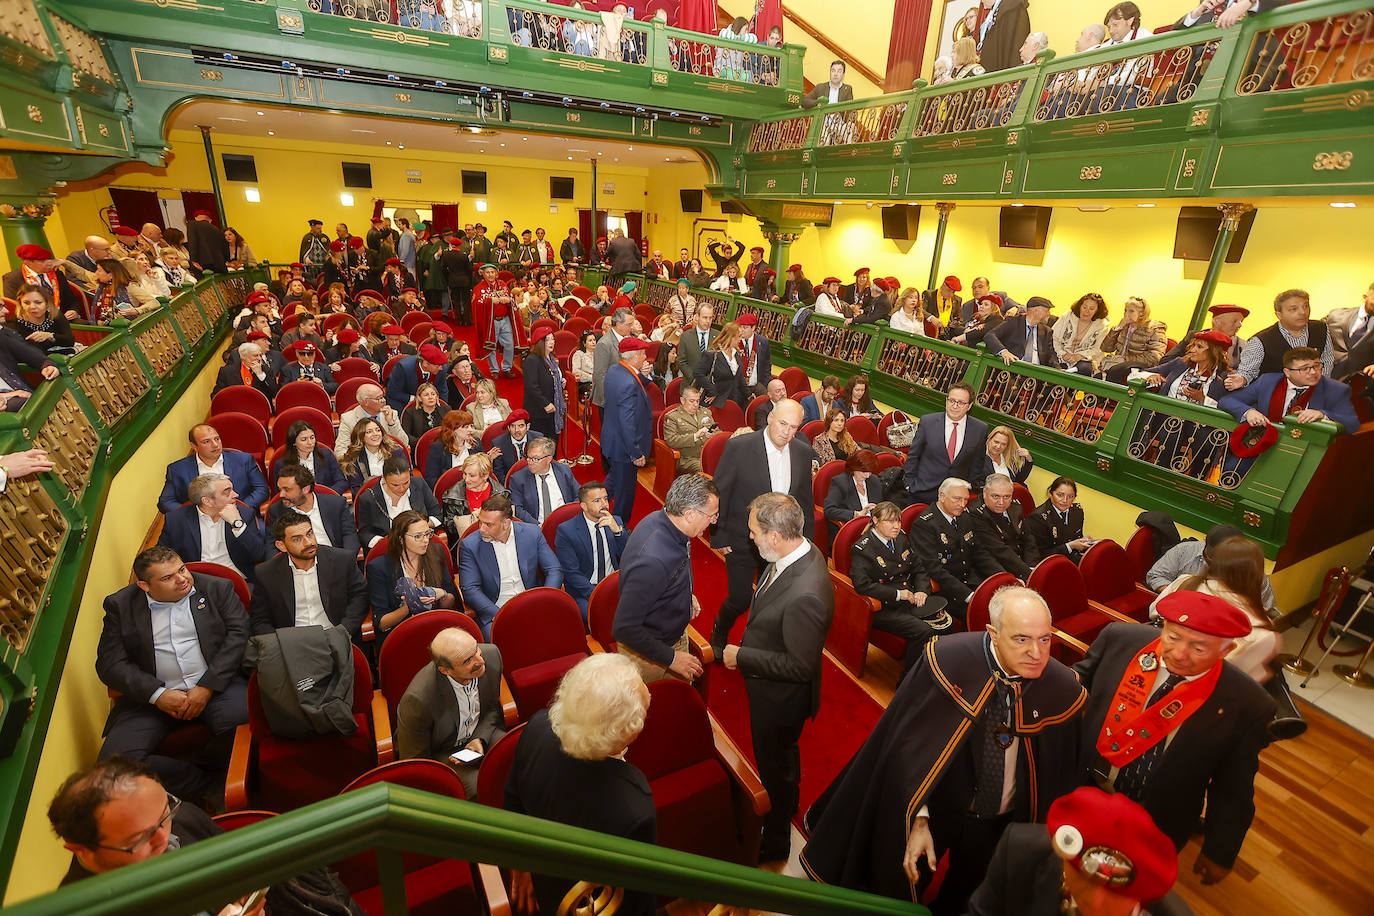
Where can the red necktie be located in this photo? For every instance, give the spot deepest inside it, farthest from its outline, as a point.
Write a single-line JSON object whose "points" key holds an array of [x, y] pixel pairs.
{"points": [[953, 442]]}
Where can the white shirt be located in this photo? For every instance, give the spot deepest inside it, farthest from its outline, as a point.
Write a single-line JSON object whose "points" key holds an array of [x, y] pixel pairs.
{"points": [[751, 347], [779, 466], [555, 494], [375, 460], [862, 490], [959, 441], [309, 604], [999, 467], [469, 709], [394, 509], [213, 547], [835, 94], [825, 305], [1290, 397], [1032, 353], [899, 322], [490, 415], [512, 583], [317, 523], [177, 660], [202, 468]]}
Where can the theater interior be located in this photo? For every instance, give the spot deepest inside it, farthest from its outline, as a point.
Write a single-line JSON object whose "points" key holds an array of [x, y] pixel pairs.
{"points": [[1238, 165]]}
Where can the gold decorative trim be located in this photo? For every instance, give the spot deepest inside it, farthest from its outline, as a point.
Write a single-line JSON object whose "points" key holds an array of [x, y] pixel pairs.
{"points": [[1200, 117], [1221, 154], [581, 64], [401, 38], [188, 5], [1333, 162], [727, 88], [1103, 128], [660, 79], [497, 53]]}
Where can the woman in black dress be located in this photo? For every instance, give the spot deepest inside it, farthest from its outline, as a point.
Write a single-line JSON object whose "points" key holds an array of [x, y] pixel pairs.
{"points": [[411, 577], [39, 323]]}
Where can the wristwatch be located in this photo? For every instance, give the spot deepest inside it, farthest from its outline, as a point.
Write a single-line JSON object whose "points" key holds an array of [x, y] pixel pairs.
{"points": [[238, 525]]}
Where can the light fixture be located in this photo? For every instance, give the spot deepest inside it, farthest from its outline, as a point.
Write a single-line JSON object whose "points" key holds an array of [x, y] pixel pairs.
{"points": [[630, 148], [346, 199], [271, 133], [1094, 208], [260, 114], [400, 146], [1343, 204], [570, 158], [667, 159], [1145, 206], [503, 146], [1018, 205], [480, 204], [838, 202], [388, 143], [252, 195]]}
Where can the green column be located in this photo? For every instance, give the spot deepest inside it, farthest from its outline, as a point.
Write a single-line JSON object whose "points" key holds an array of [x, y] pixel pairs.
{"points": [[945, 209], [24, 226], [1231, 214], [214, 173], [780, 250]]}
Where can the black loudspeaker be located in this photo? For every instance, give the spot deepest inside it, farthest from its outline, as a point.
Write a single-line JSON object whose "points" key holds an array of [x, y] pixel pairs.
{"points": [[561, 188], [1023, 227], [730, 206], [901, 221], [474, 182], [1197, 230], [691, 200]]}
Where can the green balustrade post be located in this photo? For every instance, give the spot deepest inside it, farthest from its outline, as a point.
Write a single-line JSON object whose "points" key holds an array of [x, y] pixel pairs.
{"points": [[391, 871], [214, 172], [779, 250], [1231, 214], [945, 208], [25, 227]]}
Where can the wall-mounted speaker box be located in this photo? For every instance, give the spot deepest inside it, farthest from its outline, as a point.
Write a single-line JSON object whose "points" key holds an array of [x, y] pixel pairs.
{"points": [[691, 200], [1197, 230], [901, 221], [1023, 227]]}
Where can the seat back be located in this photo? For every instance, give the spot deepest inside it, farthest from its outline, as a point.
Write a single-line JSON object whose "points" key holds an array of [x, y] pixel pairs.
{"points": [[601, 610], [655, 393], [447, 481], [909, 515], [851, 629], [496, 764], [245, 400], [1106, 572], [797, 381], [820, 484], [224, 572], [1140, 552], [491, 432], [751, 412], [522, 463], [421, 330], [346, 395], [845, 539], [564, 343], [541, 635], [288, 324], [889, 460], [420, 454], [673, 394], [576, 326], [862, 430], [665, 467], [813, 429], [729, 416], [391, 364], [304, 394], [241, 432], [411, 319], [712, 450], [557, 517], [677, 731], [1060, 583], [338, 320], [406, 649], [233, 820], [977, 618], [420, 773], [323, 426], [587, 313], [885, 423], [1023, 496]]}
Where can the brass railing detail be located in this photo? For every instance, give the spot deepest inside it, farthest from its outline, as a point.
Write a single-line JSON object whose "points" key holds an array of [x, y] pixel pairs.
{"points": [[1148, 80], [113, 384], [1320, 52], [1052, 405], [968, 109], [875, 124], [927, 368], [776, 136], [71, 442], [34, 528], [1187, 447]]}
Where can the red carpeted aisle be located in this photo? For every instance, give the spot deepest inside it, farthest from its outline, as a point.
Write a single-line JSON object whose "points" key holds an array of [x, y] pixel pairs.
{"points": [[847, 714]]}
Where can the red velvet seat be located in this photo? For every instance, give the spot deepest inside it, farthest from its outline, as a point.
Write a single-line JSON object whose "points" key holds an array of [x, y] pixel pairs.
{"points": [[588, 313], [708, 802], [673, 394], [233, 820], [390, 364], [346, 395], [909, 515], [851, 629], [490, 433], [558, 516], [1060, 583], [862, 430], [541, 635], [797, 382], [491, 777], [286, 773], [522, 463], [1140, 551], [1022, 495], [889, 460], [405, 652], [976, 617], [665, 467], [241, 432], [886, 423], [224, 572], [420, 452], [324, 428], [421, 331], [813, 429], [564, 344], [351, 367], [712, 450], [656, 404], [338, 320], [243, 399], [304, 394], [729, 416], [576, 326], [845, 539], [752, 411], [1109, 579], [820, 487], [411, 319]]}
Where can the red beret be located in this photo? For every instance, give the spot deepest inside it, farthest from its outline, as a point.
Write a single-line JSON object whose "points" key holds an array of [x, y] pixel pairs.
{"points": [[629, 344], [861, 270], [301, 346], [433, 355], [410, 289], [794, 268], [601, 241], [259, 296], [1213, 337], [376, 219], [1225, 309], [32, 252], [129, 232], [336, 246], [442, 326], [540, 334], [770, 272], [1112, 841], [517, 415], [1204, 613], [393, 330], [258, 335], [758, 248], [355, 241], [828, 280], [953, 283], [199, 213], [892, 283], [747, 320], [393, 262], [881, 283], [298, 266], [1249, 441], [348, 336], [994, 298]]}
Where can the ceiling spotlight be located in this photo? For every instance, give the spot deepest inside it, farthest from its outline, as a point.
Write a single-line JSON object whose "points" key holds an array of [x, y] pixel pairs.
{"points": [[388, 143], [260, 114], [1145, 206], [1343, 204], [503, 146], [400, 146], [271, 133], [630, 148], [570, 158]]}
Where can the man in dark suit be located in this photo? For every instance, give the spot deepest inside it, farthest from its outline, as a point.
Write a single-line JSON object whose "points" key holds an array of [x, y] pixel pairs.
{"points": [[589, 545], [171, 645], [607, 351], [682, 266], [212, 529], [780, 655], [623, 257], [1222, 13], [1025, 337], [753, 271], [1299, 393], [997, 528], [776, 390], [542, 485], [249, 369], [572, 252], [771, 459], [1348, 326], [394, 343], [453, 705], [1186, 728], [330, 516], [690, 346], [306, 367], [831, 93], [949, 444], [397, 491], [626, 425], [410, 372], [306, 584], [513, 443], [944, 531], [205, 241], [211, 457], [757, 366], [482, 574]]}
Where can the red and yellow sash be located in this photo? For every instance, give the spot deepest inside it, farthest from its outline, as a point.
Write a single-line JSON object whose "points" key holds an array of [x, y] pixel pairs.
{"points": [[1130, 729]]}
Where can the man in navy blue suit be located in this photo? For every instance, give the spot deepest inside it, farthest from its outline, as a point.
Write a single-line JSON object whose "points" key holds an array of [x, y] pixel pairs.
{"points": [[410, 372], [626, 425], [542, 485], [949, 444], [501, 559], [330, 515], [307, 368], [512, 443], [585, 564], [212, 529], [212, 457], [1027, 337], [1299, 392]]}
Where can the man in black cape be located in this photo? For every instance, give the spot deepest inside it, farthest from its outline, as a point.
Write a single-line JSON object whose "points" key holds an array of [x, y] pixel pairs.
{"points": [[981, 733]]}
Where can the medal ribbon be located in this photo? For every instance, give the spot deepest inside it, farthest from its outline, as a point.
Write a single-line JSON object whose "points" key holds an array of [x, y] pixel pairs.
{"points": [[1129, 729]]}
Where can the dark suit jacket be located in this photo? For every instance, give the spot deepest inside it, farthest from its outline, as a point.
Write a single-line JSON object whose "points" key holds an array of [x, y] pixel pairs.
{"points": [[294, 372], [15, 350], [524, 491], [327, 474], [743, 474], [481, 576], [1212, 757], [181, 532], [1047, 532], [427, 717], [507, 459], [689, 351], [1000, 48], [124, 658], [231, 375], [806, 293], [205, 241], [820, 95], [404, 380], [1005, 538], [373, 520], [341, 589], [380, 354], [1331, 397], [718, 384], [240, 468], [1011, 335], [627, 423], [572, 544], [67, 300], [762, 354], [622, 255], [842, 500], [927, 463], [962, 562], [540, 385], [780, 651]]}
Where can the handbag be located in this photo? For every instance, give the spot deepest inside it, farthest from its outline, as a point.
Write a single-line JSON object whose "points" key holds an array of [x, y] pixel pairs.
{"points": [[902, 432]]}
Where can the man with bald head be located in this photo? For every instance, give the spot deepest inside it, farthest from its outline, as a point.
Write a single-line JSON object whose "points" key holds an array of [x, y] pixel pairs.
{"points": [[97, 248], [371, 405], [452, 709]]}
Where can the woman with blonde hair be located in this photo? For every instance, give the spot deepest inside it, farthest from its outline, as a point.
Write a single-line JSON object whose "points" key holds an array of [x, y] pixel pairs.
{"points": [[1135, 343], [720, 374], [463, 500], [1006, 456], [486, 407], [965, 57], [368, 449], [910, 315]]}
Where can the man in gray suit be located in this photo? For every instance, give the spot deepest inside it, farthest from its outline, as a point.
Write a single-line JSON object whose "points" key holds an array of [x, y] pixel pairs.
{"points": [[607, 352], [452, 708], [1349, 326], [695, 340]]}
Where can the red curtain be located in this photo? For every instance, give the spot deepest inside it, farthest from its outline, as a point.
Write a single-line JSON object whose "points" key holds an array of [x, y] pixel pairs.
{"points": [[907, 46], [198, 200], [634, 226], [443, 218], [697, 15], [137, 207], [767, 13], [584, 226]]}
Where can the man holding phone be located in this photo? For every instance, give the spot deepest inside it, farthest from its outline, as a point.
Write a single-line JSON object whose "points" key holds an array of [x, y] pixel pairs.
{"points": [[451, 712]]}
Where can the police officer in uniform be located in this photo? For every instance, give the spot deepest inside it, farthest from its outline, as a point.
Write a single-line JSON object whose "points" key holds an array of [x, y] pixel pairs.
{"points": [[1056, 525], [944, 531], [885, 566], [999, 528]]}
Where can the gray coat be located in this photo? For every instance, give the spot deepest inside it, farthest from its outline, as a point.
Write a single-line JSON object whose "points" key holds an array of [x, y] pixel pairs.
{"points": [[606, 355], [305, 681]]}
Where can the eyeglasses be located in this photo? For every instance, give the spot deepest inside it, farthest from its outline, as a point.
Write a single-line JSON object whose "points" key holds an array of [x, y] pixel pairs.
{"points": [[956, 403], [143, 839], [1312, 367], [713, 517], [422, 535]]}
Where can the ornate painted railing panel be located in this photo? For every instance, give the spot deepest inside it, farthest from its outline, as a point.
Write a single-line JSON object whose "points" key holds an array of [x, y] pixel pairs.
{"points": [[1147, 80], [934, 365], [582, 34], [1188, 447], [736, 61], [1329, 51], [872, 124], [1053, 404], [952, 111], [779, 136]]}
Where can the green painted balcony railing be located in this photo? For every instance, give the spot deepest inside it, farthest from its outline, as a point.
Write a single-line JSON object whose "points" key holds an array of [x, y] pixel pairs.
{"points": [[393, 820], [90, 419]]}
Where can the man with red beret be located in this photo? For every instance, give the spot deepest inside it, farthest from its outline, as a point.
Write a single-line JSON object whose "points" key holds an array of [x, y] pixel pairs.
{"points": [[626, 425], [1096, 855], [394, 343], [944, 304], [797, 291], [38, 267], [757, 359], [880, 306], [510, 446], [205, 241], [753, 274], [1174, 727], [857, 295], [410, 372], [498, 327], [307, 367]]}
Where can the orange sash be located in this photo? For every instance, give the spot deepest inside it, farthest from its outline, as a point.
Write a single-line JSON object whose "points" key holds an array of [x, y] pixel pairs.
{"points": [[1130, 729], [630, 369]]}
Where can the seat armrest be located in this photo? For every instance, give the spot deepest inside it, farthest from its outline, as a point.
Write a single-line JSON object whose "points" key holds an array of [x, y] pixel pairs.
{"points": [[741, 770], [381, 729], [494, 889], [700, 646], [236, 782], [508, 707], [1075, 645], [1109, 612], [369, 630]]}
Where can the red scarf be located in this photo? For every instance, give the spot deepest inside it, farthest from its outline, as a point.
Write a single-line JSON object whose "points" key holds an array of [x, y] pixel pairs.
{"points": [[1130, 729], [1276, 411]]}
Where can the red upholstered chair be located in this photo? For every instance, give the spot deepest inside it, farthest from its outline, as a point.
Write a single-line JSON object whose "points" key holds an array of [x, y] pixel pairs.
{"points": [[976, 617], [1140, 552], [233, 820], [709, 800], [813, 429], [549, 528], [346, 395], [540, 635], [1023, 496], [351, 367], [1109, 579], [421, 331], [242, 399], [909, 515], [421, 450], [712, 450], [863, 430], [304, 394], [324, 427], [796, 380], [340, 319], [660, 425], [405, 652], [729, 416], [491, 778], [411, 319], [665, 467], [241, 432], [576, 326], [884, 424], [522, 463], [224, 572], [655, 393], [390, 364], [290, 321], [1060, 583], [281, 774], [820, 486], [845, 539], [564, 343], [588, 313], [491, 432], [751, 412], [673, 394], [852, 626], [889, 460]]}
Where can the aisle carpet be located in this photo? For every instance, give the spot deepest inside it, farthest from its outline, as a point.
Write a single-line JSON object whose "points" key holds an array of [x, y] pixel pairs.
{"points": [[847, 713]]}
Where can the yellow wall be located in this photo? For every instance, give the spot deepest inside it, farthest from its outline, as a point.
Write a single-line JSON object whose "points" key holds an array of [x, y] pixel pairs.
{"points": [[862, 31], [74, 732]]}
